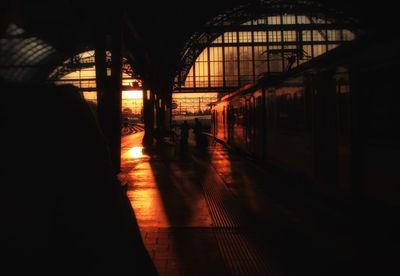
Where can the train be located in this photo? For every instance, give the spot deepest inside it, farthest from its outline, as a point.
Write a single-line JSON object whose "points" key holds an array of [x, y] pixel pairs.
{"points": [[330, 122]]}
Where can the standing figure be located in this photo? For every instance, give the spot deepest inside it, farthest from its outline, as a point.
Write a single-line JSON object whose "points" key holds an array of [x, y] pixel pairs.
{"points": [[184, 134], [198, 133]]}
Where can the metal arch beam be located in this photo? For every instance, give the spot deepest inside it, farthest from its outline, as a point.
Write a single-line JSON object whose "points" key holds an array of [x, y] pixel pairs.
{"points": [[206, 89], [72, 65], [266, 27]]}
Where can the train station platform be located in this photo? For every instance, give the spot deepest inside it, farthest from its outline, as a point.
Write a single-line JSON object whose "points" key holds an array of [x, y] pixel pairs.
{"points": [[216, 213]]}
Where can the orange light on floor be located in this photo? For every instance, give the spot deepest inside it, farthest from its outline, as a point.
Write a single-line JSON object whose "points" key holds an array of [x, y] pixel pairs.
{"points": [[136, 152]]}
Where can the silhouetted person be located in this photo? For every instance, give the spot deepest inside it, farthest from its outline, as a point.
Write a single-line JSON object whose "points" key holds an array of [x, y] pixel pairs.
{"points": [[159, 136], [200, 138], [63, 211], [184, 135]]}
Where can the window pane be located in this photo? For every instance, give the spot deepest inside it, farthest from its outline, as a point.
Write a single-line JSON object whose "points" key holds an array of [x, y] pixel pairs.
{"points": [[317, 36], [289, 36], [332, 46], [218, 40], [260, 60], [189, 79], [201, 70], [274, 36], [246, 64], [319, 50], [216, 67], [333, 35], [230, 37], [288, 19], [301, 19], [348, 35], [274, 20], [215, 53], [275, 59], [231, 66], [244, 36], [306, 35], [260, 36]]}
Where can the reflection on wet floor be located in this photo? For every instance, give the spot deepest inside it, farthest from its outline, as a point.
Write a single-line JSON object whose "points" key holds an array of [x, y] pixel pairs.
{"points": [[171, 211], [136, 152], [189, 219], [161, 193], [205, 213]]}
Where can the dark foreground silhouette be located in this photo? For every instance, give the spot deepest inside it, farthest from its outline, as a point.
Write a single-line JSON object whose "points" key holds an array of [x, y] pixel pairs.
{"points": [[62, 209]]}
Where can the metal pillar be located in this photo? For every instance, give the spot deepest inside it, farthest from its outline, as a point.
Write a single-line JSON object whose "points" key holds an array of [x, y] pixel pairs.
{"points": [[116, 97], [168, 112], [108, 82], [148, 116], [160, 112]]}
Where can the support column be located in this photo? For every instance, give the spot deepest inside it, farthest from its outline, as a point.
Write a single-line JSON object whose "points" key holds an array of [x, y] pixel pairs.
{"points": [[148, 116], [163, 120], [115, 99], [108, 82], [160, 103], [168, 113]]}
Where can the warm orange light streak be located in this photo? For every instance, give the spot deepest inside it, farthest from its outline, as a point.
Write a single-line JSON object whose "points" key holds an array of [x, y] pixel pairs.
{"points": [[144, 195], [136, 152]]}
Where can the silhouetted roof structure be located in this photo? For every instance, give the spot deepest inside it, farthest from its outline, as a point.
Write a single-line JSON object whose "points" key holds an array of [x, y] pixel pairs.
{"points": [[155, 33]]}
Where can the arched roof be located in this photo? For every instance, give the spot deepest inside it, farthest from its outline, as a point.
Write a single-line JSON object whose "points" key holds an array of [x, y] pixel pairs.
{"points": [[234, 19], [22, 55], [155, 33]]}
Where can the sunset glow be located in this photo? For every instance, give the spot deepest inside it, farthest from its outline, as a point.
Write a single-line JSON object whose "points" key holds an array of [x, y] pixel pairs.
{"points": [[132, 94]]}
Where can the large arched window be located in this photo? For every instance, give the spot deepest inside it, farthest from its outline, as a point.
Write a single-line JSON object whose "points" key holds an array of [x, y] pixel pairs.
{"points": [[272, 43], [80, 71]]}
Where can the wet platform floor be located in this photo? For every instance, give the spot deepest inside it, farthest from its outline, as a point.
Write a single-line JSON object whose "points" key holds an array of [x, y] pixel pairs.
{"points": [[211, 213]]}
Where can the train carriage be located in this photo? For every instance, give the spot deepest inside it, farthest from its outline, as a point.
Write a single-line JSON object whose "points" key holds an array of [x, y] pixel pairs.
{"points": [[315, 121]]}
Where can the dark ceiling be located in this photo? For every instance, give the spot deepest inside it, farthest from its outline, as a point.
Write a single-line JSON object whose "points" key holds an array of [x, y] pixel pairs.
{"points": [[158, 30]]}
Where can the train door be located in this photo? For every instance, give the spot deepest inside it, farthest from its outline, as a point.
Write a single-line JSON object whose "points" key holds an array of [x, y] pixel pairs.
{"points": [[224, 123], [344, 152], [258, 125], [229, 121], [252, 125], [325, 131], [213, 125], [248, 126]]}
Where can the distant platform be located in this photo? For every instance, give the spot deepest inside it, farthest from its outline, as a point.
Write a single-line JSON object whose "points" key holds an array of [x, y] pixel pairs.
{"points": [[190, 117]]}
